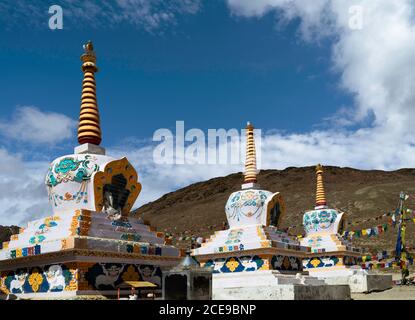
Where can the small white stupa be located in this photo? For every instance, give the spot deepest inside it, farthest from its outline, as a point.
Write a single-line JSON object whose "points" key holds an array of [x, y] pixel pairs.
{"points": [[333, 258], [90, 245], [253, 260]]}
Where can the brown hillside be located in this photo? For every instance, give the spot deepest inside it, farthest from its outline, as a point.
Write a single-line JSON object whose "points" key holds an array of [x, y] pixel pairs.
{"points": [[198, 209], [6, 232]]}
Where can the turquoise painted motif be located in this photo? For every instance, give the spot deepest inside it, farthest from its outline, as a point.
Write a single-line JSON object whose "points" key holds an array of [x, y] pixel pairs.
{"points": [[70, 169], [315, 242], [234, 236], [246, 203], [121, 224], [130, 237], [319, 220], [37, 239], [78, 197]]}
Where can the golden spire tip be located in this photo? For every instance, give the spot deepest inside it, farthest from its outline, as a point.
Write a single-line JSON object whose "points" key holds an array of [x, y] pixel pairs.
{"points": [[250, 175], [320, 193], [89, 130]]}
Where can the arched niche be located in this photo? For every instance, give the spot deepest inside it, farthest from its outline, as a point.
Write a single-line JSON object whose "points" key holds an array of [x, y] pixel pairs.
{"points": [[342, 223], [275, 210], [121, 178]]}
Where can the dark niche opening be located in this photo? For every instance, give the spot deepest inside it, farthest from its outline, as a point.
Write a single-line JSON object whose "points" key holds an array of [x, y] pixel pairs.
{"points": [[342, 226], [118, 190], [275, 214], [175, 287], [201, 287]]}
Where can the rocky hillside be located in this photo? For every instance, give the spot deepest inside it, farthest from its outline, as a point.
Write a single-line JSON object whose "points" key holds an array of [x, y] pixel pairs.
{"points": [[198, 209], [6, 232]]}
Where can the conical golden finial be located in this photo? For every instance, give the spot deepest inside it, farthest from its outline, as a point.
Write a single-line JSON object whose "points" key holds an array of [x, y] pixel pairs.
{"points": [[89, 130], [320, 194], [250, 163]]}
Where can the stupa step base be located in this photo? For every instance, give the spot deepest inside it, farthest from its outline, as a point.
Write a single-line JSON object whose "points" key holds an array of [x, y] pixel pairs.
{"points": [[273, 285], [359, 281]]}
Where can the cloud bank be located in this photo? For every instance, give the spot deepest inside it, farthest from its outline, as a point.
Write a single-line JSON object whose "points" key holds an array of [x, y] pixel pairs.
{"points": [[31, 125]]}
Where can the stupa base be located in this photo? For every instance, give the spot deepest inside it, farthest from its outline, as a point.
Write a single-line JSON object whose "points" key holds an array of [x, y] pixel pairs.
{"points": [[71, 273], [360, 281], [274, 285]]}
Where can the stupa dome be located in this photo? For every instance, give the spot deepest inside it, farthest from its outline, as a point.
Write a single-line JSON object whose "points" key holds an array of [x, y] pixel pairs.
{"points": [[322, 219], [79, 181], [253, 206]]}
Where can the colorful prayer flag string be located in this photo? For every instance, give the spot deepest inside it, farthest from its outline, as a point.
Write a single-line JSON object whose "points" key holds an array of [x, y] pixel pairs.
{"points": [[374, 231]]}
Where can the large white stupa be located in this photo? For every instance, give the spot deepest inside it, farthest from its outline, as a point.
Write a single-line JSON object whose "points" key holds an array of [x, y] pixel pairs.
{"points": [[90, 245]]}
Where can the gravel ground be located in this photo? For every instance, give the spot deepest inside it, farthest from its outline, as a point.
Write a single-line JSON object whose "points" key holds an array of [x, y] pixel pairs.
{"points": [[396, 293]]}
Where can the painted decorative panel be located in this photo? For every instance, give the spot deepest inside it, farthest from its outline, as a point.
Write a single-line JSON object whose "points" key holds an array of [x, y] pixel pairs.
{"points": [[71, 169], [108, 276], [254, 263], [351, 261], [234, 236], [69, 181], [324, 220], [321, 262], [247, 207], [51, 278], [286, 263], [238, 264]]}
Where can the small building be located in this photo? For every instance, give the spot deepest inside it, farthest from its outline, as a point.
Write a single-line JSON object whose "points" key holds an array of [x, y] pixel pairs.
{"points": [[187, 281]]}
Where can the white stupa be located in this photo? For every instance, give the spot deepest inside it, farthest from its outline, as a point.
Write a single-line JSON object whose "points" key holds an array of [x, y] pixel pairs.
{"points": [[90, 245], [333, 258], [253, 259]]}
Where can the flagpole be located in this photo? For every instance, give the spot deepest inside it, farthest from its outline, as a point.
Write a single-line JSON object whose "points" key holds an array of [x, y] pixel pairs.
{"points": [[401, 243]]}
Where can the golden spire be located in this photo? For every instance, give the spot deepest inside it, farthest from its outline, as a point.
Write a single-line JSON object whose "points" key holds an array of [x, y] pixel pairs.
{"points": [[89, 130], [250, 163], [320, 194]]}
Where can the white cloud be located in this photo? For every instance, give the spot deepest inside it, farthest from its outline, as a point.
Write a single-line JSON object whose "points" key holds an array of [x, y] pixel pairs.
{"points": [[375, 63], [29, 124], [23, 196]]}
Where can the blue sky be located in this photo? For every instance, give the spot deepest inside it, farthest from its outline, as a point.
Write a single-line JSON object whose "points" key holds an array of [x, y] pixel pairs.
{"points": [[321, 89], [210, 69]]}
